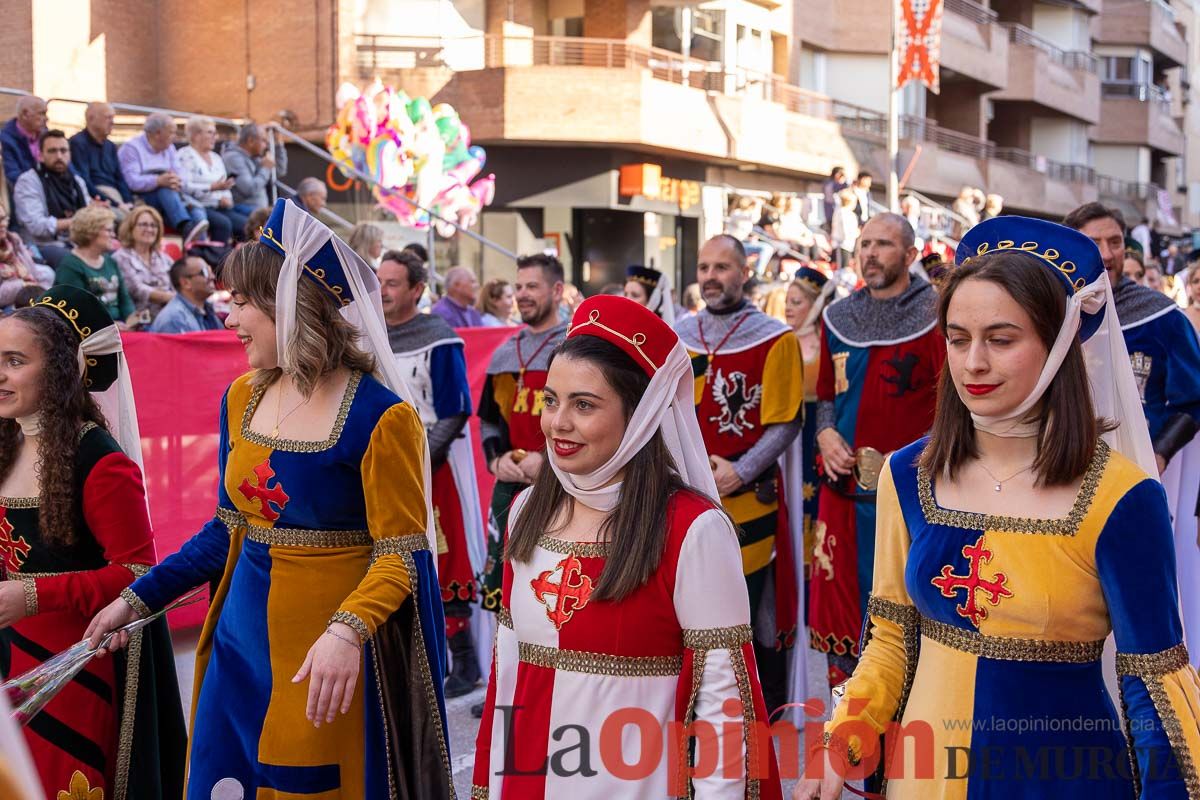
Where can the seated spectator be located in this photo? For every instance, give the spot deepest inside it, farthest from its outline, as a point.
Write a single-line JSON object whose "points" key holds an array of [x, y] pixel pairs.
{"points": [[17, 267], [151, 169], [94, 157], [144, 266], [189, 310], [250, 165], [205, 181], [47, 196], [367, 240], [20, 138], [90, 267], [845, 227], [254, 223], [311, 195], [457, 306], [27, 294], [496, 303], [993, 204]]}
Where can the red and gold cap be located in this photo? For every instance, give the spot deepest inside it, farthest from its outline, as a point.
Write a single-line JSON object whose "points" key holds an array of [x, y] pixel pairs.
{"points": [[630, 326]]}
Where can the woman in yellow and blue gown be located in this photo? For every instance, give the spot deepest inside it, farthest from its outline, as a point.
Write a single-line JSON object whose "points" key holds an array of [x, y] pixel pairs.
{"points": [[986, 631], [312, 541]]}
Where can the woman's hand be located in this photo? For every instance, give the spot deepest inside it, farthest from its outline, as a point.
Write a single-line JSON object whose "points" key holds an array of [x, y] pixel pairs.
{"points": [[333, 662], [827, 785], [12, 603], [115, 615]]}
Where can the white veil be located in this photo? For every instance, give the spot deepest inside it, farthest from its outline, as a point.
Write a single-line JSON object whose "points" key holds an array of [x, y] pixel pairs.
{"points": [[661, 301], [301, 238]]}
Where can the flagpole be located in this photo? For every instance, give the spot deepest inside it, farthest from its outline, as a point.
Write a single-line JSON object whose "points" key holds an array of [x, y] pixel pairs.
{"points": [[893, 146]]}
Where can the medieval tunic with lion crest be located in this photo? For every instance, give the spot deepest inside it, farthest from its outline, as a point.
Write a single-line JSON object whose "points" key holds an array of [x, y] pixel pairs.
{"points": [[749, 399]]}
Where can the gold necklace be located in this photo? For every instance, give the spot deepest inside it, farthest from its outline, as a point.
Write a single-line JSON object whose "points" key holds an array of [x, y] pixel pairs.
{"points": [[279, 407], [1000, 483]]}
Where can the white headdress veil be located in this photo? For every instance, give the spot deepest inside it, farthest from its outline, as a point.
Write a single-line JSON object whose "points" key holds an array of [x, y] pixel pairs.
{"points": [[661, 302], [301, 238]]}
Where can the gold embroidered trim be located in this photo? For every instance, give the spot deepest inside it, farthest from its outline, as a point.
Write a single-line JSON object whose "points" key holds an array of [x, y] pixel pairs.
{"points": [[577, 549], [139, 606], [300, 445], [1066, 526], [637, 340], [1153, 665], [749, 730], [1174, 730], [909, 620], [293, 537], [504, 617], [1050, 255], [317, 273], [716, 638], [698, 659], [387, 736], [31, 598], [600, 663], [1004, 648], [133, 663], [479, 792], [1127, 729], [431, 701], [354, 621], [138, 570], [70, 314], [19, 502], [395, 545], [838, 745]]}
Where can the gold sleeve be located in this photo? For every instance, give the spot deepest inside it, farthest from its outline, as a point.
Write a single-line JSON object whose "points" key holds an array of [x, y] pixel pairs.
{"points": [[394, 490], [783, 381], [876, 693]]}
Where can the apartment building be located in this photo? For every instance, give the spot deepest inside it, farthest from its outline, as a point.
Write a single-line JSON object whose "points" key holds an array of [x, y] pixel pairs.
{"points": [[619, 131]]}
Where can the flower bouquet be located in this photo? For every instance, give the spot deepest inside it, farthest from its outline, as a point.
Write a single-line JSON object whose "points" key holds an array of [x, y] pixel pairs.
{"points": [[29, 692]]}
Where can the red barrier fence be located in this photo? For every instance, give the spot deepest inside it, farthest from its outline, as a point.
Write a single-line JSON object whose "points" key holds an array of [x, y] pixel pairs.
{"points": [[178, 381]]}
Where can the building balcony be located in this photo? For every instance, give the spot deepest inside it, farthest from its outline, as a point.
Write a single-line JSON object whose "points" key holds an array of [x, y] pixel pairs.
{"points": [[1138, 114], [1062, 81], [573, 90], [1144, 23], [973, 44]]}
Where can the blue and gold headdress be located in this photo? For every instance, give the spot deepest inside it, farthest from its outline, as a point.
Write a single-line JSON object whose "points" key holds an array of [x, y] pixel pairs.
{"points": [[1069, 255]]}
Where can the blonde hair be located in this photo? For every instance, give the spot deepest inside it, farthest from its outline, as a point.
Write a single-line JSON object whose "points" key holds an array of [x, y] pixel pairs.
{"points": [[362, 237], [198, 122], [847, 198], [323, 341], [125, 232], [87, 224]]}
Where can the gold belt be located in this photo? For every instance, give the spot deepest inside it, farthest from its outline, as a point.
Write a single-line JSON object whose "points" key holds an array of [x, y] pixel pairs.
{"points": [[1004, 648], [294, 537], [868, 463]]}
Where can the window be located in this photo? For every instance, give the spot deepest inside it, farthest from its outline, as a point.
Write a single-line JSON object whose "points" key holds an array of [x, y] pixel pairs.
{"points": [[667, 26]]}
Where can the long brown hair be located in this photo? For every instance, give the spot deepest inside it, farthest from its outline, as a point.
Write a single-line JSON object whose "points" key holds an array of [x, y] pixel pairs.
{"points": [[66, 406], [324, 339], [1067, 403], [635, 531]]}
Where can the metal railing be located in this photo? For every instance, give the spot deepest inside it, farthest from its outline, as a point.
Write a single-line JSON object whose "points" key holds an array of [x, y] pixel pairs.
{"points": [[1071, 59], [969, 9], [1143, 92]]}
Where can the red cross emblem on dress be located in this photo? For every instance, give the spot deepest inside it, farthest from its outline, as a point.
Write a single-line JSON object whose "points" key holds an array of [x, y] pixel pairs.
{"points": [[267, 494], [13, 551], [571, 593], [994, 589]]}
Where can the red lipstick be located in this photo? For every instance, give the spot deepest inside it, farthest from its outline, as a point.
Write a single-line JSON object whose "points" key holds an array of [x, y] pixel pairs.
{"points": [[980, 389], [564, 448]]}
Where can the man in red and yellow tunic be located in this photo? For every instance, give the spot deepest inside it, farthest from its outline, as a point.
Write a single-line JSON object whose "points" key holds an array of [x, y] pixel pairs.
{"points": [[749, 403]]}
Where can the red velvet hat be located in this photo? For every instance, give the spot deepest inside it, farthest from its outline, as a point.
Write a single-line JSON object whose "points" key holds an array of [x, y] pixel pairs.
{"points": [[630, 326]]}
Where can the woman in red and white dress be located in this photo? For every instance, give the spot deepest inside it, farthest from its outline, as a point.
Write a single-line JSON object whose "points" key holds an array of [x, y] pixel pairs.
{"points": [[624, 616]]}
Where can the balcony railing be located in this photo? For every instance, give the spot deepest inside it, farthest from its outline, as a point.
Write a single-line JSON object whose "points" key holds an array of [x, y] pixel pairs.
{"points": [[979, 14], [1143, 92], [1055, 170], [1071, 59]]}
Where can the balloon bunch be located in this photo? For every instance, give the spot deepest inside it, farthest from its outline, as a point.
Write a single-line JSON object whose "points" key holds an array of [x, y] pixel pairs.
{"points": [[414, 152]]}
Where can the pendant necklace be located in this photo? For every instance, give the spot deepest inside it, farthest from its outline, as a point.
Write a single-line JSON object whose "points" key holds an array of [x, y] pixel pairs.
{"points": [[713, 352], [278, 407], [522, 364], [1000, 483]]}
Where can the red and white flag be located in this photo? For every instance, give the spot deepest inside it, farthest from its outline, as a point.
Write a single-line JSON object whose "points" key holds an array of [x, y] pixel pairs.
{"points": [[918, 42]]}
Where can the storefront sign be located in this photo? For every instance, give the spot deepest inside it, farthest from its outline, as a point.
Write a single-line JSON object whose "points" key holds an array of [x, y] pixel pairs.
{"points": [[647, 180]]}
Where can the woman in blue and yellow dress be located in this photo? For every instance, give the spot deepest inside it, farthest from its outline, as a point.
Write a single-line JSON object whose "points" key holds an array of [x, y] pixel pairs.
{"points": [[319, 668], [986, 629]]}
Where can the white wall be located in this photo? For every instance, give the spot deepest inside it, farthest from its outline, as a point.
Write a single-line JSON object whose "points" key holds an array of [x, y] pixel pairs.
{"points": [[1065, 27], [813, 71], [420, 17], [1128, 162], [861, 79], [1060, 139]]}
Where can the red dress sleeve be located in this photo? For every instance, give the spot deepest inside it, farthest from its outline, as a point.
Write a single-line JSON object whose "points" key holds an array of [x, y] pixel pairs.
{"points": [[114, 507], [825, 384]]}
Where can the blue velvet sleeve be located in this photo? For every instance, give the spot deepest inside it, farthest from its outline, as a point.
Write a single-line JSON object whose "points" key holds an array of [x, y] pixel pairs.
{"points": [[1183, 365], [202, 558], [1160, 693], [448, 373]]}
